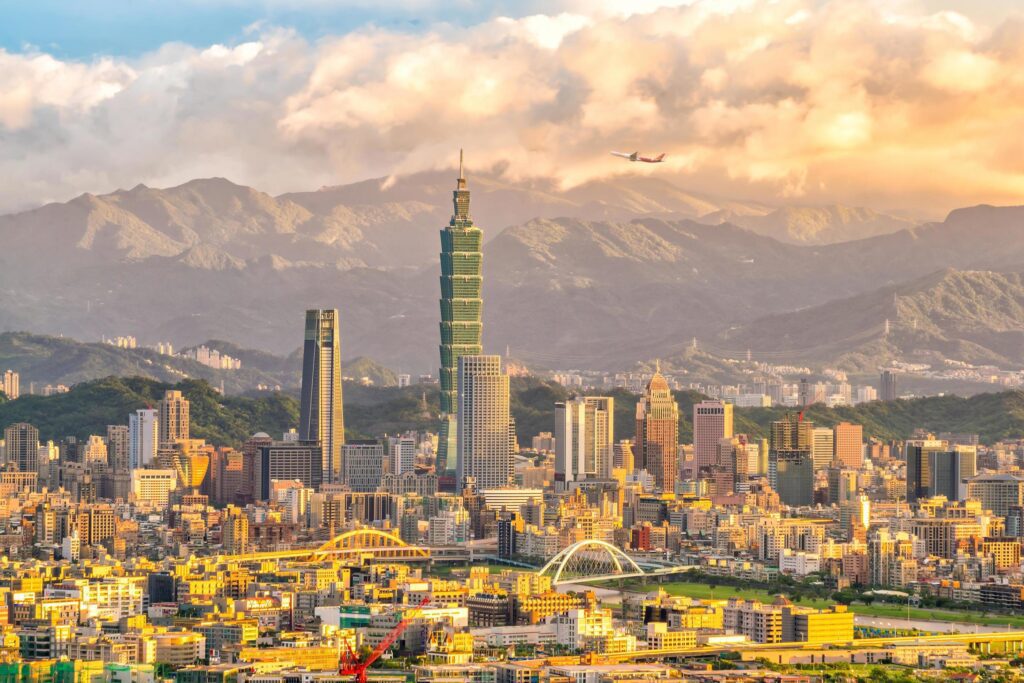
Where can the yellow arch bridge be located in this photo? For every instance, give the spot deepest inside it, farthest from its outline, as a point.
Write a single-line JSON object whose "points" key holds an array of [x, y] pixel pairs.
{"points": [[371, 544]]}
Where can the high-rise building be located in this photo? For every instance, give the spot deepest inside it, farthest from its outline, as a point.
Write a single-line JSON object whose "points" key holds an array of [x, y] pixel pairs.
{"points": [[94, 452], [790, 460], [364, 465], [118, 439], [235, 531], [842, 485], [657, 433], [320, 412], [288, 460], [461, 304], [887, 388], [998, 492], [951, 469], [849, 445], [22, 446], [402, 452], [822, 447], [623, 457], [483, 423], [712, 422], [11, 385], [143, 437], [805, 393], [173, 419], [584, 439], [934, 468]]}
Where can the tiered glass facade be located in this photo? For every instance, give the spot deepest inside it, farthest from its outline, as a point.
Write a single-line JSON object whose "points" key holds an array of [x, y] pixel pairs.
{"points": [[461, 305]]}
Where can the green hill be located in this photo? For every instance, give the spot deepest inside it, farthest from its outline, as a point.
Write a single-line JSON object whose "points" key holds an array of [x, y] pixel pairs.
{"points": [[371, 411], [90, 406], [991, 416]]}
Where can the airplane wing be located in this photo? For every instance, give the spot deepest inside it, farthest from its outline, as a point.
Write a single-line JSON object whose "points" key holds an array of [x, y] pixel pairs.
{"points": [[621, 154]]}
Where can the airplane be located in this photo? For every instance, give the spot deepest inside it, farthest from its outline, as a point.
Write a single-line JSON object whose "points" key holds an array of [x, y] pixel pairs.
{"points": [[635, 156]]}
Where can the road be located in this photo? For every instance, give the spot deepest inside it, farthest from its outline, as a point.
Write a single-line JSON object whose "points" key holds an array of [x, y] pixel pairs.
{"points": [[922, 625]]}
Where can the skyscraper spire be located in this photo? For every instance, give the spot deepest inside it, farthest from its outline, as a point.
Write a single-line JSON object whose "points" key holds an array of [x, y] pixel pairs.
{"points": [[460, 198]]}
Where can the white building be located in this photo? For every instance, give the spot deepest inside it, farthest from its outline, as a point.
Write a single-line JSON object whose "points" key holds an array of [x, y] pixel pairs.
{"points": [[575, 625], [153, 487], [402, 455], [142, 437], [799, 563], [111, 598], [485, 432], [584, 439]]}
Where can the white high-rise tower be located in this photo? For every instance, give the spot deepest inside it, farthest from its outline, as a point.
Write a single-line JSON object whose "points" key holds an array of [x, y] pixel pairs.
{"points": [[484, 423]]}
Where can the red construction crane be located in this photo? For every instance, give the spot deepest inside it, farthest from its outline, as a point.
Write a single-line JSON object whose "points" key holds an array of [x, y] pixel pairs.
{"points": [[350, 663]]}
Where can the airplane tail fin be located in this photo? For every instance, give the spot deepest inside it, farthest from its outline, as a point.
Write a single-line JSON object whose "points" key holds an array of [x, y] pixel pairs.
{"points": [[660, 157]]}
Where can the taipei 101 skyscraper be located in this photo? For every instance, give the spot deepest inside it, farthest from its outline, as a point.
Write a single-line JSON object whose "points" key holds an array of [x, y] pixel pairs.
{"points": [[461, 306]]}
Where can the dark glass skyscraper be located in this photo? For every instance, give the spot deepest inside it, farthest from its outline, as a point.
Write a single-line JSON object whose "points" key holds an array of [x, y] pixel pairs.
{"points": [[321, 418], [461, 305]]}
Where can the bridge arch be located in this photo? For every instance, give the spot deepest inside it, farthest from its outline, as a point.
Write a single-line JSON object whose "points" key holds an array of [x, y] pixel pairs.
{"points": [[371, 540], [591, 558]]}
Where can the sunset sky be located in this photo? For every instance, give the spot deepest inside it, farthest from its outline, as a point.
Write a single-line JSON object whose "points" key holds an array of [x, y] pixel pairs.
{"points": [[915, 106]]}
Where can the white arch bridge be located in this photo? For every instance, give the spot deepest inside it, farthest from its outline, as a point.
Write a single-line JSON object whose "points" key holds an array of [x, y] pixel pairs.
{"points": [[595, 560]]}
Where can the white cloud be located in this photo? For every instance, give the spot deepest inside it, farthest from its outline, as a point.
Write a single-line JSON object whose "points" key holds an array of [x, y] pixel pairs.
{"points": [[834, 101]]}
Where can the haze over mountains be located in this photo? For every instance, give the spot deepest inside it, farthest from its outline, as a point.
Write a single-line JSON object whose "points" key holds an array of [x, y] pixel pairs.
{"points": [[600, 275]]}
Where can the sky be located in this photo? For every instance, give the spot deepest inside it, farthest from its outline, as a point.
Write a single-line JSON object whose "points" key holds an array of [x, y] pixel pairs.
{"points": [[903, 105]]}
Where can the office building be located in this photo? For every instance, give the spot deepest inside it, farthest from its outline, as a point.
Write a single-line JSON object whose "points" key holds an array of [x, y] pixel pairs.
{"points": [[320, 406], [584, 439], [950, 471], [363, 465], [173, 419], [402, 454], [918, 455], [484, 424], [712, 422], [887, 386], [153, 487], [288, 461], [657, 433], [22, 447], [790, 460], [997, 492], [143, 437], [848, 440], [822, 447], [461, 305], [936, 469]]}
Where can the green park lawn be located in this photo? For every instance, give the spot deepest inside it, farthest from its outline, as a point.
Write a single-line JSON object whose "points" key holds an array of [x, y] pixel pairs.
{"points": [[704, 591]]}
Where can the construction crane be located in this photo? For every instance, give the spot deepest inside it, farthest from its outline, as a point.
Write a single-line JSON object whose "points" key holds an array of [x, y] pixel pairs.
{"points": [[350, 662]]}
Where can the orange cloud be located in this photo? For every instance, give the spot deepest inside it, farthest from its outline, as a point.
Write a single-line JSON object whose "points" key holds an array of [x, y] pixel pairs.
{"points": [[850, 101]]}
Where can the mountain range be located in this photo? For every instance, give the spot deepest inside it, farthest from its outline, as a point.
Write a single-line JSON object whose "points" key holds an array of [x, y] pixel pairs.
{"points": [[600, 275]]}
